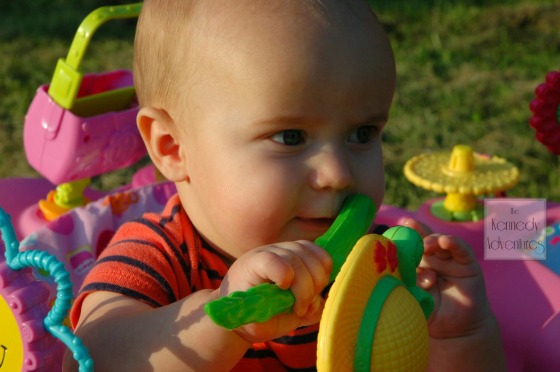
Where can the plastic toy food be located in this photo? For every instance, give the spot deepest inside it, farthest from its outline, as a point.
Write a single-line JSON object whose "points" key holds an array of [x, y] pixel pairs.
{"points": [[77, 127], [462, 176], [375, 315], [546, 112], [24, 331]]}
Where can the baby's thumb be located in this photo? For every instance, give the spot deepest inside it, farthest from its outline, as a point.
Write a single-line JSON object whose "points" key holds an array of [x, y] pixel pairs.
{"points": [[426, 279]]}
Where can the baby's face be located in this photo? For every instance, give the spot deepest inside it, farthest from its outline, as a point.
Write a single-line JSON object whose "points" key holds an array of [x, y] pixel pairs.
{"points": [[285, 119]]}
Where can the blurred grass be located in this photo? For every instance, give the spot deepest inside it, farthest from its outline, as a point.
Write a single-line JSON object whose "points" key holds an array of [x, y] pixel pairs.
{"points": [[467, 71]]}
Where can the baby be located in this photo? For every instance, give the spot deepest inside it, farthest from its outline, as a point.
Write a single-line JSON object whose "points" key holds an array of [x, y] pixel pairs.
{"points": [[266, 114]]}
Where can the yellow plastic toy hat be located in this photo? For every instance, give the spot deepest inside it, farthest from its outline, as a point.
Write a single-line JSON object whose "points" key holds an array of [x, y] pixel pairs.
{"points": [[461, 175]]}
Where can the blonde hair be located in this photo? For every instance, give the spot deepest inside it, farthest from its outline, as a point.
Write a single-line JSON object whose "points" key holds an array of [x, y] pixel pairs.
{"points": [[161, 51], [164, 45]]}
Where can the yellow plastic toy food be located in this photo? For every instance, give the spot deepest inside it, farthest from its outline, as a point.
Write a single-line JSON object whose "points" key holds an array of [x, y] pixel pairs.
{"points": [[375, 315], [462, 175]]}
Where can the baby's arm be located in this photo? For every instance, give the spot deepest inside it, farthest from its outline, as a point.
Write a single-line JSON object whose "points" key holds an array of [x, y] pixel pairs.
{"points": [[125, 334], [464, 334]]}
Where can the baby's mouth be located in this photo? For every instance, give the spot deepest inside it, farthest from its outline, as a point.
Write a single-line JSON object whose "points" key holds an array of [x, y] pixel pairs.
{"points": [[320, 224]]}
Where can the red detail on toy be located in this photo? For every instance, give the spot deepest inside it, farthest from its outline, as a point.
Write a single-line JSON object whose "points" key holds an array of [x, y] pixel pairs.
{"points": [[380, 257], [392, 258], [546, 111]]}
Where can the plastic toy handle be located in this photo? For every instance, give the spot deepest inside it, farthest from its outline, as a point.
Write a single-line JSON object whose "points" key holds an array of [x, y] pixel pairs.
{"points": [[264, 301], [410, 249], [17, 260], [67, 79], [91, 23], [353, 222]]}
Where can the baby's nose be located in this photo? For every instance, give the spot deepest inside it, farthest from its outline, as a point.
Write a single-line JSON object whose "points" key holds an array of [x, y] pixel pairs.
{"points": [[332, 170]]}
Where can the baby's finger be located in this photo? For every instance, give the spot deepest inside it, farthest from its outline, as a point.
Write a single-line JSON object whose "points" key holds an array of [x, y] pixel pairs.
{"points": [[421, 228], [311, 265], [318, 262], [457, 248], [432, 247], [268, 265], [447, 255], [426, 279], [302, 286], [306, 273], [314, 312]]}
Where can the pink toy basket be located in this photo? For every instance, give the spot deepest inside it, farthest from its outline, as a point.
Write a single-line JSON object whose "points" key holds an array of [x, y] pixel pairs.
{"points": [[82, 126]]}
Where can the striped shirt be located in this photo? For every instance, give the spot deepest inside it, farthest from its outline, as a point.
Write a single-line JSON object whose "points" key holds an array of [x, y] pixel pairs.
{"points": [[160, 259]]}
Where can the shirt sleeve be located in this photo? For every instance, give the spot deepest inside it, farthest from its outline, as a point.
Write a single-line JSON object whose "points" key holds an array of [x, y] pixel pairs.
{"points": [[146, 260]]}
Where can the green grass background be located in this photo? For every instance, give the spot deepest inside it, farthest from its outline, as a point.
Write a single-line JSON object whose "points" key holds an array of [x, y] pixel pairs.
{"points": [[467, 71]]}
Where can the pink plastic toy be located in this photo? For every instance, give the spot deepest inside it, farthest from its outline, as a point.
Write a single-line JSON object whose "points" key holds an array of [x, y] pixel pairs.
{"points": [[73, 243], [25, 329], [64, 146], [78, 128]]}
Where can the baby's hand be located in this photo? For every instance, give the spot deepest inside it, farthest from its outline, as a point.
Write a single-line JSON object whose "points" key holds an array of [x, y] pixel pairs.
{"points": [[450, 272], [464, 334], [300, 266]]}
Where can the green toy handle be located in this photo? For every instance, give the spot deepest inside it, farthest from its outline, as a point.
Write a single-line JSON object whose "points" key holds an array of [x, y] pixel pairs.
{"points": [[264, 301], [67, 79], [410, 249]]}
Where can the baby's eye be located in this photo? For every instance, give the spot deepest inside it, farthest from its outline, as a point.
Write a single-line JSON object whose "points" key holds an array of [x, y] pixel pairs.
{"points": [[362, 134], [290, 137]]}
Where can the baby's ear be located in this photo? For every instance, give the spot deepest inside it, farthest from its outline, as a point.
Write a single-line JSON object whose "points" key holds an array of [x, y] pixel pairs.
{"points": [[161, 137]]}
